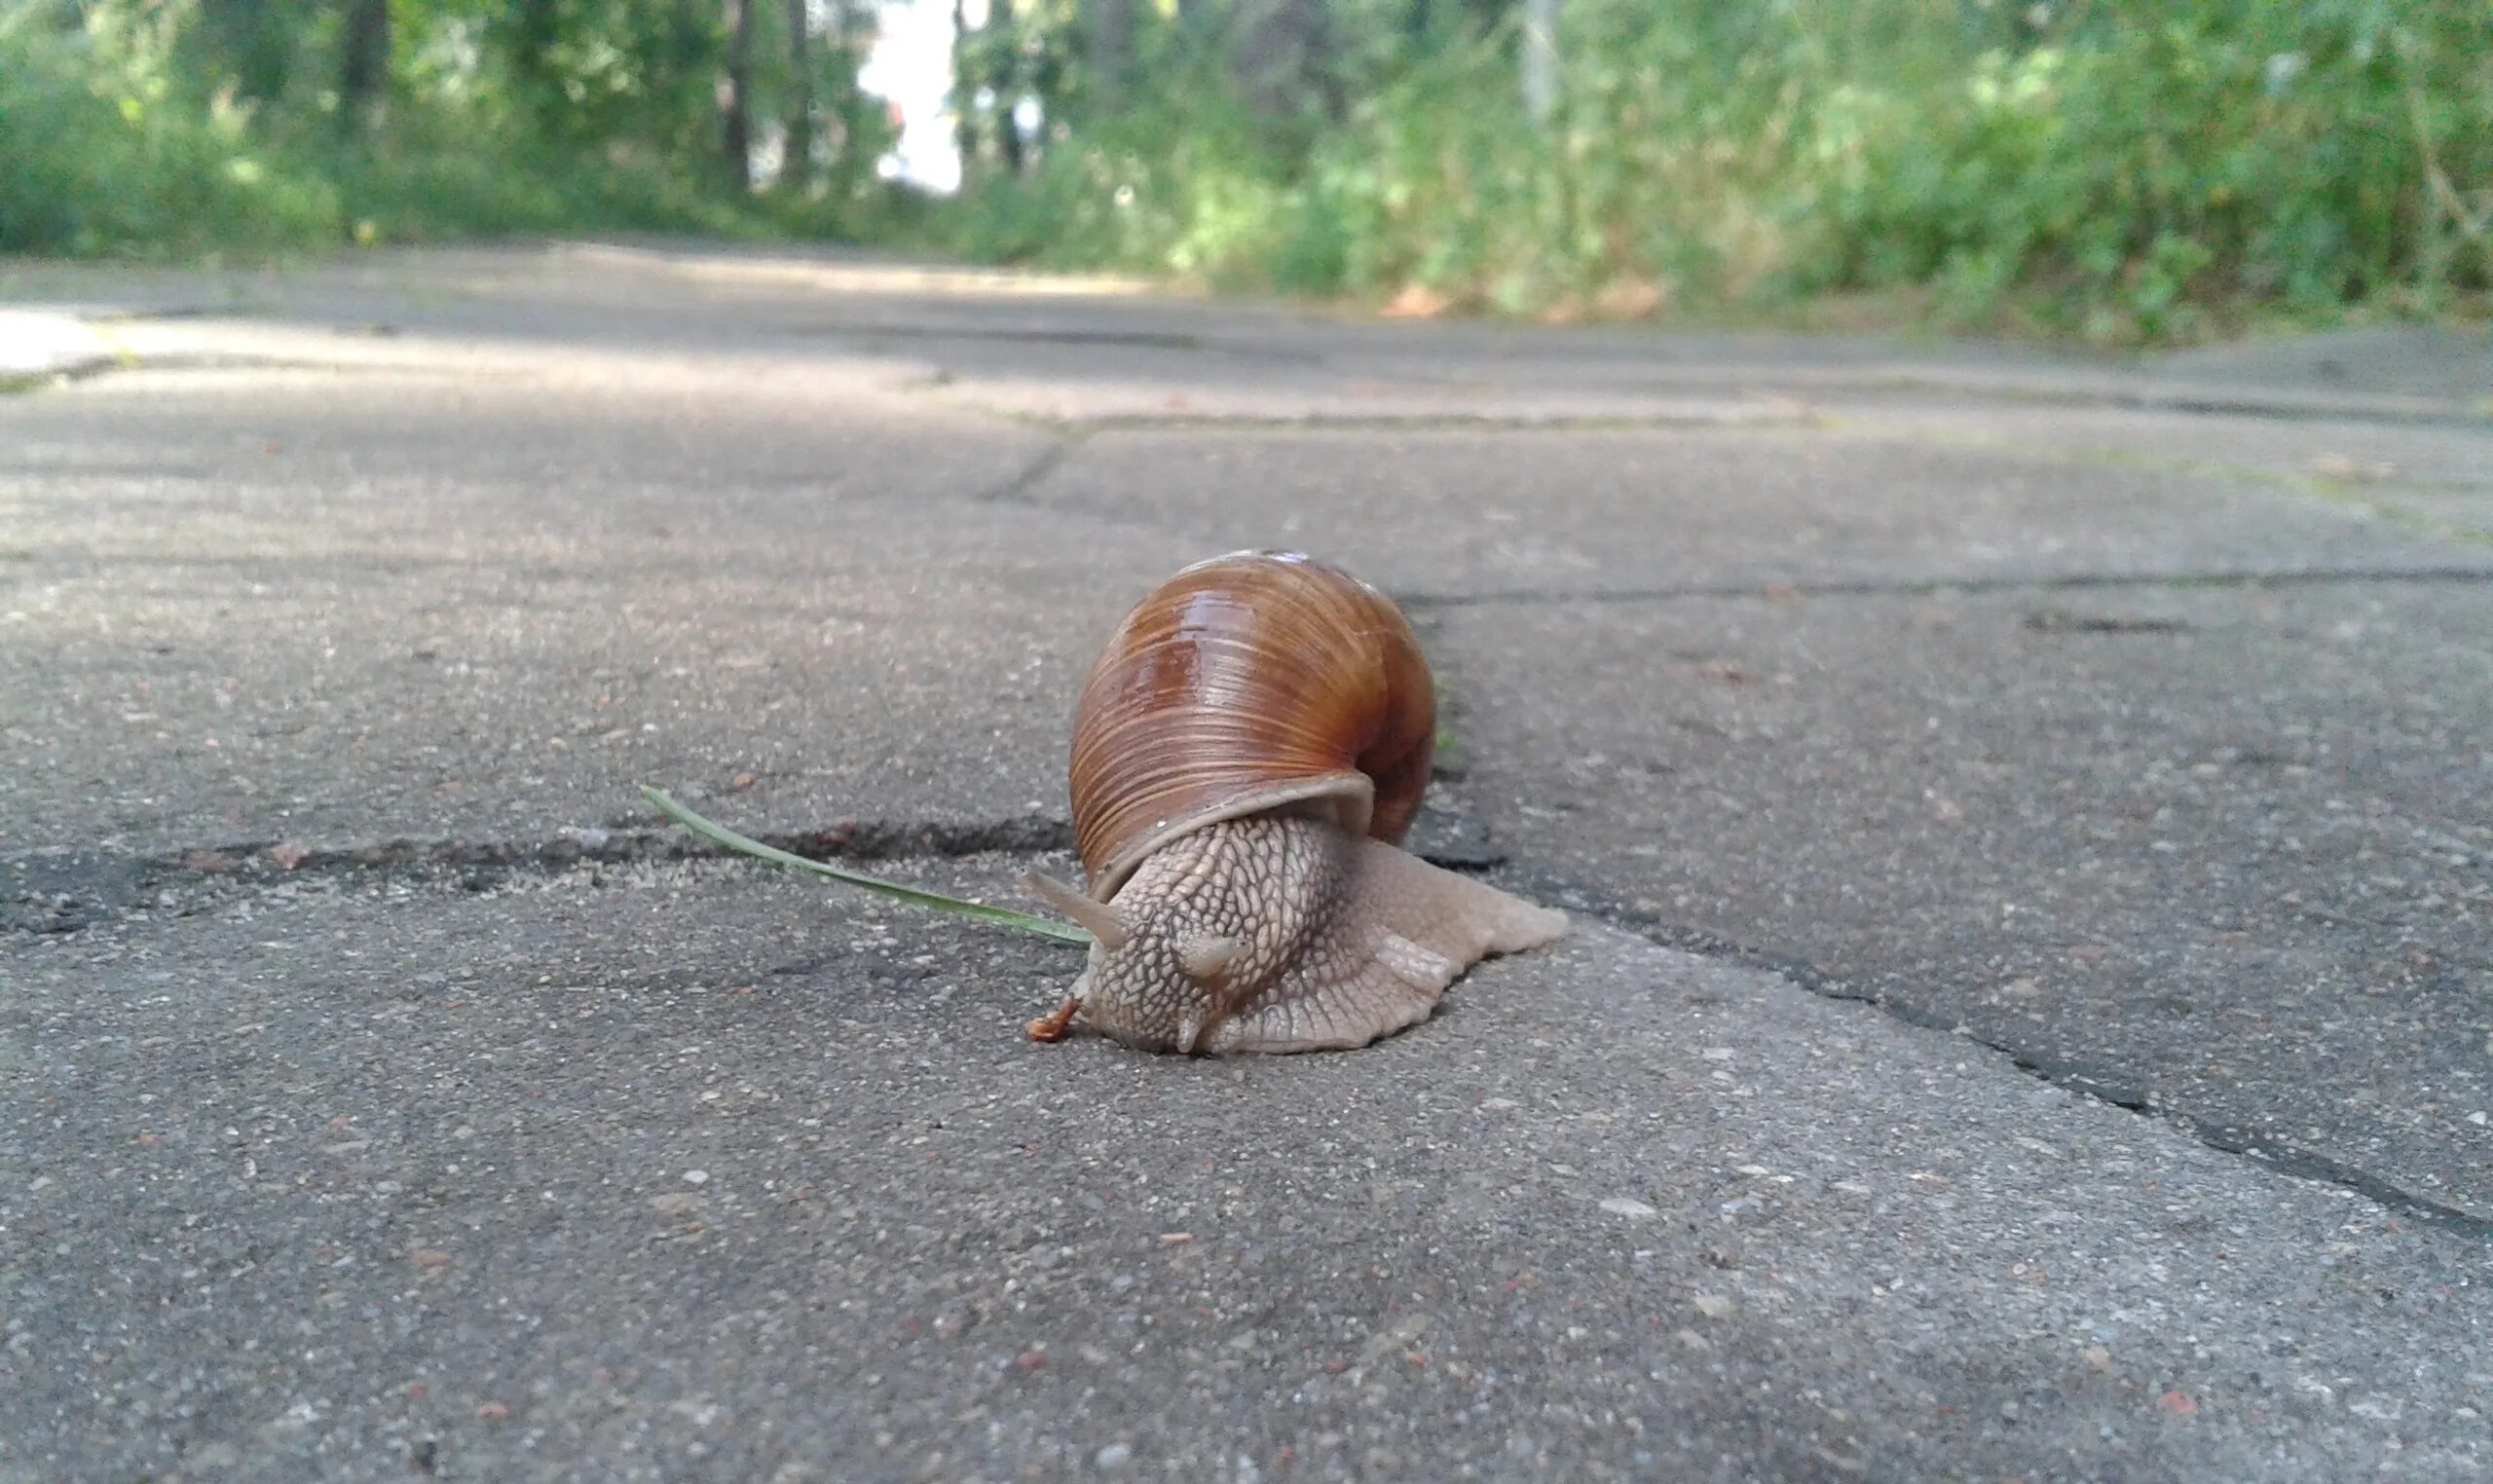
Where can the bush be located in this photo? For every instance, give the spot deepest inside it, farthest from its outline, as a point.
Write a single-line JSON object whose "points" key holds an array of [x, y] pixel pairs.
{"points": [[126, 133], [105, 155], [2150, 175], [2127, 172]]}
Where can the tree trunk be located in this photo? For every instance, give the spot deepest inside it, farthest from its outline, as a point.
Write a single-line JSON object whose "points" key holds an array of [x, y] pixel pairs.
{"points": [[1539, 48], [1418, 23], [1111, 50], [536, 27], [364, 71], [254, 45], [797, 170], [965, 91], [735, 93], [1279, 56]]}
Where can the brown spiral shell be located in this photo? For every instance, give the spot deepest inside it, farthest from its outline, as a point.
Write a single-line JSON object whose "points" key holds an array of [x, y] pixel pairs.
{"points": [[1243, 684]]}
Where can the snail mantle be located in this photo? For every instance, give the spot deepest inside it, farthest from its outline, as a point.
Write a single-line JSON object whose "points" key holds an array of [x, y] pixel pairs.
{"points": [[1247, 754]]}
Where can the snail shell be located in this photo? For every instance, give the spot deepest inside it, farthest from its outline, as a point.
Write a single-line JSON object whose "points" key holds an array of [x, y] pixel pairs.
{"points": [[1243, 684], [1247, 754]]}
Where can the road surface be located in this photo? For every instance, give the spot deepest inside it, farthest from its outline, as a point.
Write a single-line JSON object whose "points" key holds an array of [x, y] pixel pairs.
{"points": [[2029, 820]]}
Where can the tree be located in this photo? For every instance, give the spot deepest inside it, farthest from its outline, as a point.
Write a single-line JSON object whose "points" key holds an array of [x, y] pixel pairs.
{"points": [[1279, 57], [1111, 48], [248, 44], [536, 27], [1540, 49], [363, 71], [798, 170], [965, 85], [735, 91]]}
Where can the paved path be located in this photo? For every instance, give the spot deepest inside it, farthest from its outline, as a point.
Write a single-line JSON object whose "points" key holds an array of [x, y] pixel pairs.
{"points": [[2032, 822]]}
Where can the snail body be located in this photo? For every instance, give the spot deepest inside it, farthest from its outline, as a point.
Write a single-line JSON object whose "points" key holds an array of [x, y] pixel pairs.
{"points": [[1249, 751]]}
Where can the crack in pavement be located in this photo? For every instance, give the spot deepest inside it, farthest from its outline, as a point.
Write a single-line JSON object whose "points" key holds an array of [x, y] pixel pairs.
{"points": [[2100, 1084], [1780, 385], [2353, 480], [65, 891], [1019, 487], [1147, 340], [129, 363], [1727, 418], [2280, 407], [1926, 587], [1763, 403], [83, 369]]}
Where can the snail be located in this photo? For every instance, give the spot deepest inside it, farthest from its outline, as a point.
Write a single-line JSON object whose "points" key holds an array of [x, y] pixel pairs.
{"points": [[1247, 754]]}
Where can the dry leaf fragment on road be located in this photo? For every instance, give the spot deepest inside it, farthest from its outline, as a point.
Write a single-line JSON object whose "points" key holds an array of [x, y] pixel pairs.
{"points": [[2339, 466], [1417, 301]]}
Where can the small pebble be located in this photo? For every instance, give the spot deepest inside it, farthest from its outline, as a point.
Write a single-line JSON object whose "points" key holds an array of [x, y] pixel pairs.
{"points": [[696, 1177], [1113, 1456], [1621, 1205], [1713, 1306]]}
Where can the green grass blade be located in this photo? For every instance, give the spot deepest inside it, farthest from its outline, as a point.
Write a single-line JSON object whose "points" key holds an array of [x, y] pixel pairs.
{"points": [[1002, 916]]}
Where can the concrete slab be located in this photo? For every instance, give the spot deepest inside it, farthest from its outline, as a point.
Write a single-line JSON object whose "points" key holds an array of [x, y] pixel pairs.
{"points": [[262, 606], [1481, 512], [635, 1173], [2342, 454], [652, 294], [2222, 851], [2466, 511], [2146, 747], [2416, 359]]}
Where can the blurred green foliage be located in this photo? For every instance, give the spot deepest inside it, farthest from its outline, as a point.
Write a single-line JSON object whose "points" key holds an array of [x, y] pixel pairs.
{"points": [[100, 150], [177, 128], [2123, 169]]}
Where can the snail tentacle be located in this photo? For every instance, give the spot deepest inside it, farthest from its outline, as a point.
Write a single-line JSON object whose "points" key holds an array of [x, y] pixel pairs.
{"points": [[1101, 919]]}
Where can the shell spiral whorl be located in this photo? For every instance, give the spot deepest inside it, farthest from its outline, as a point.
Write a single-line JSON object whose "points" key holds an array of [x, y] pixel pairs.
{"points": [[1241, 685]]}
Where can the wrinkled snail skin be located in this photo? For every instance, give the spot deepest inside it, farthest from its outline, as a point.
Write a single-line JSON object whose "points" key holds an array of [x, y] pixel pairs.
{"points": [[1328, 940], [1255, 738]]}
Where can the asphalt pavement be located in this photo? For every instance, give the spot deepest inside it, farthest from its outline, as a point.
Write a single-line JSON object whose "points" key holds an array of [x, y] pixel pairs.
{"points": [[2029, 817]]}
